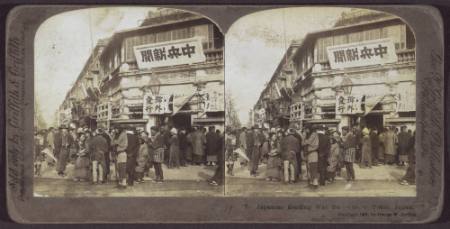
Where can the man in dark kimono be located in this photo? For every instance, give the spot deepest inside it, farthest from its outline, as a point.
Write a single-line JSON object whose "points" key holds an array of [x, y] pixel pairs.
{"points": [[132, 151], [249, 141], [290, 147], [324, 152], [98, 148], [107, 154], [218, 177], [57, 143], [404, 139], [211, 146], [258, 139]]}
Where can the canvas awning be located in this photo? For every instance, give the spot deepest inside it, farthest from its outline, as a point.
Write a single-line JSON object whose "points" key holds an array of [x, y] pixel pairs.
{"points": [[180, 101], [372, 101]]}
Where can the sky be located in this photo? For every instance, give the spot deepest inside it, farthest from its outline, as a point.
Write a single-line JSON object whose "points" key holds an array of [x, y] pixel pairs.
{"points": [[63, 44], [255, 44]]}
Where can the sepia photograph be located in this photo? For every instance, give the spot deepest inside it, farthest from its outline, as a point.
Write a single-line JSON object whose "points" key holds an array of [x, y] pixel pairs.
{"points": [[320, 101], [129, 101], [224, 113]]}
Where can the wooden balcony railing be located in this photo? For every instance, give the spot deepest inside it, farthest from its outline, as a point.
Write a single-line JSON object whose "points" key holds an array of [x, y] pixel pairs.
{"points": [[214, 55], [408, 55]]}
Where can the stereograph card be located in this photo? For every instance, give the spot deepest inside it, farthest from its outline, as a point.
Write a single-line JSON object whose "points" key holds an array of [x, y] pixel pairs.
{"points": [[268, 114]]}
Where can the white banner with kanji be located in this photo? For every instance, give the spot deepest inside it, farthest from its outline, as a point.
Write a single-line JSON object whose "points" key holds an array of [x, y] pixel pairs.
{"points": [[349, 104], [156, 104], [365, 53], [176, 52]]}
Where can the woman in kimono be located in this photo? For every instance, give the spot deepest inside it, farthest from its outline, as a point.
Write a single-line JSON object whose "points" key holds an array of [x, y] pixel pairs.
{"points": [[82, 162], [274, 162]]}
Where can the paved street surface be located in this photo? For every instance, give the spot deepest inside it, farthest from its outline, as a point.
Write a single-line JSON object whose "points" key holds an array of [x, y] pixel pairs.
{"points": [[380, 180], [186, 181]]}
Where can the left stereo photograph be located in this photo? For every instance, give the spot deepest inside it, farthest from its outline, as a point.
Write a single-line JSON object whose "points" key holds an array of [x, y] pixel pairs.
{"points": [[128, 102]]}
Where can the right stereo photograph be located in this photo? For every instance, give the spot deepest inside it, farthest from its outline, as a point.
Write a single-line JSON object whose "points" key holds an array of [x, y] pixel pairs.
{"points": [[321, 102]]}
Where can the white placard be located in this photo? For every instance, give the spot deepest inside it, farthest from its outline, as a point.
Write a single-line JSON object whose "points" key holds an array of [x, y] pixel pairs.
{"points": [[381, 51], [176, 52], [156, 104], [349, 104]]}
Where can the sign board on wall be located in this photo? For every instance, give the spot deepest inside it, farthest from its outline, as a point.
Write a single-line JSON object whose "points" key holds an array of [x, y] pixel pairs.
{"points": [[365, 53], [296, 112], [176, 52], [349, 104], [156, 104], [406, 102]]}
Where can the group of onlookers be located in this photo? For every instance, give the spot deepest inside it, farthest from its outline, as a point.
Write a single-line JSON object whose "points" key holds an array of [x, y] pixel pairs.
{"points": [[132, 153], [323, 151]]}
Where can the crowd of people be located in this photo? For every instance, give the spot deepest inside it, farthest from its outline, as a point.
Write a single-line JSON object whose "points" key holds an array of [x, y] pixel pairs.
{"points": [[133, 153], [323, 152]]}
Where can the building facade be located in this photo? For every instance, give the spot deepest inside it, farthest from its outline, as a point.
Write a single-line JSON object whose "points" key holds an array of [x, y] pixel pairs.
{"points": [[167, 71], [362, 72], [79, 105]]}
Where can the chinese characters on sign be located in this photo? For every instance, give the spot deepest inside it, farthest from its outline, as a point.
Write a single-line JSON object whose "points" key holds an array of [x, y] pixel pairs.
{"points": [[364, 53], [349, 104], [211, 101], [185, 51], [204, 101], [157, 104], [103, 111], [406, 102], [296, 112]]}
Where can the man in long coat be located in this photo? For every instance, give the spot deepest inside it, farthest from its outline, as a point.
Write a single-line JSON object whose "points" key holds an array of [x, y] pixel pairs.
{"points": [[390, 141], [198, 142], [290, 147], [258, 139], [98, 148], [403, 145]]}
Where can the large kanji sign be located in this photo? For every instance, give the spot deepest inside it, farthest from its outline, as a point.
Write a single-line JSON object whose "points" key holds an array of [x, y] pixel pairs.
{"points": [[157, 104], [364, 53], [176, 52]]}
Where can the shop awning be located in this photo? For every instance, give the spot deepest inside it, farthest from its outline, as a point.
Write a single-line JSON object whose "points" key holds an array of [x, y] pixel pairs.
{"points": [[371, 102], [180, 101]]}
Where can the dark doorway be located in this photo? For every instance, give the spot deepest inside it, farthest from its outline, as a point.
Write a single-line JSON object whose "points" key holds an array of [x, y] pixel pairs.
{"points": [[182, 121], [373, 121]]}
